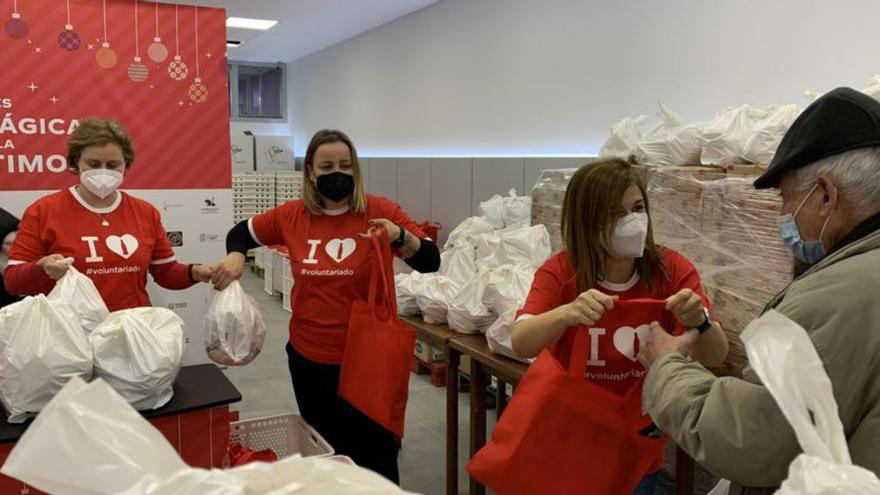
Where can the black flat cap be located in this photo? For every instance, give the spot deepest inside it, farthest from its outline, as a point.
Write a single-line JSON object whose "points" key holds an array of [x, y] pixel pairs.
{"points": [[841, 120]]}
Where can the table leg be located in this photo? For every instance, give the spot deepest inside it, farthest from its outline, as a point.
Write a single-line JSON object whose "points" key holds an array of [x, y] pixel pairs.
{"points": [[684, 473], [500, 399], [478, 417], [452, 361]]}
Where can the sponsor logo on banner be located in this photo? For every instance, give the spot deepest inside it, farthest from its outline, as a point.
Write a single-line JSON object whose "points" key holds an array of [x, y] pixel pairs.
{"points": [[177, 305], [209, 206], [203, 238], [166, 205], [175, 238]]}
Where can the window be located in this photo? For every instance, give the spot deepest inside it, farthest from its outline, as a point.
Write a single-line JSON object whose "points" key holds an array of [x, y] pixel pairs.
{"points": [[257, 91]]}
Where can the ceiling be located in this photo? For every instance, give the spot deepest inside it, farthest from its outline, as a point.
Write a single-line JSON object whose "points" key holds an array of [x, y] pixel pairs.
{"points": [[305, 26]]}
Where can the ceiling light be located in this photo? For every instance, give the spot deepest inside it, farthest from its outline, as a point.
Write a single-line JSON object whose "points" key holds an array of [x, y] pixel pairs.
{"points": [[244, 23]]}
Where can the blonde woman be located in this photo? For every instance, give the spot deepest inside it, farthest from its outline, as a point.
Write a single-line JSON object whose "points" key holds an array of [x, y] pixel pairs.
{"points": [[324, 233]]}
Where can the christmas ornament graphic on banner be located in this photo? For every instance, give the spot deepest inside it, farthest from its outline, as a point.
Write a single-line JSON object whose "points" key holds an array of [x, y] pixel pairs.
{"points": [[177, 70], [68, 39], [79, 58]]}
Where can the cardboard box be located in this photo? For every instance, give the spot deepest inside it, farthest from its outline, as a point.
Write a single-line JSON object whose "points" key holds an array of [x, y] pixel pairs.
{"points": [[242, 153], [274, 153], [428, 354]]}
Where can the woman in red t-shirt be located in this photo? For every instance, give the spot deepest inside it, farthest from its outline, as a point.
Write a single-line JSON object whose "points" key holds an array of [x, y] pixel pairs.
{"points": [[112, 237], [610, 256], [325, 234]]}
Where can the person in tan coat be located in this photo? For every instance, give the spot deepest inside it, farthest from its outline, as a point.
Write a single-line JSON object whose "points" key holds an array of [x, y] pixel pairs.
{"points": [[827, 169]]}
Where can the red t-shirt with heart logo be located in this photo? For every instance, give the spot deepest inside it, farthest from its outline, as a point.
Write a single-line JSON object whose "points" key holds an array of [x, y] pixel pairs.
{"points": [[613, 341], [330, 263], [116, 256]]}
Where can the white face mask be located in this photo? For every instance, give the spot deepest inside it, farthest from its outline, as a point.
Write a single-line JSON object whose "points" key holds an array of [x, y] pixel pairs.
{"points": [[101, 182], [628, 238]]}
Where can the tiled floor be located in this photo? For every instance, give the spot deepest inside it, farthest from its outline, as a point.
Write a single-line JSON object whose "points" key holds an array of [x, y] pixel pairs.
{"points": [[266, 391]]}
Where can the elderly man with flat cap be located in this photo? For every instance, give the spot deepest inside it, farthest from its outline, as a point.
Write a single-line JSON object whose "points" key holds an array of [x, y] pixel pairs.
{"points": [[827, 169]]}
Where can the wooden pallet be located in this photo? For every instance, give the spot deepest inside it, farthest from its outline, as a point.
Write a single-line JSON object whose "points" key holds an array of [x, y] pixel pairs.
{"points": [[437, 370]]}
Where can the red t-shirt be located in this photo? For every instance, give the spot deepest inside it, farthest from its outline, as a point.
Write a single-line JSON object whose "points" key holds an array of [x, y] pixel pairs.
{"points": [[613, 341], [330, 263], [116, 256]]}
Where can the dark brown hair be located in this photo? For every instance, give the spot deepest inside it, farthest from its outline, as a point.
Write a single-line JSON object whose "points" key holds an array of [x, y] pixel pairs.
{"points": [[589, 212], [310, 196], [96, 131]]}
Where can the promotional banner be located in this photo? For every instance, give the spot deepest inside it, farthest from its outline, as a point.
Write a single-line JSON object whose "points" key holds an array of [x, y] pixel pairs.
{"points": [[158, 69]]}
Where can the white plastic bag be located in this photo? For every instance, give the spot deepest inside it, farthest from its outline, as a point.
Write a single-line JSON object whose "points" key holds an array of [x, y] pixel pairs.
{"points": [[89, 441], [517, 210], [41, 348], [434, 296], [407, 285], [78, 292], [529, 245], [493, 211], [670, 142], [138, 352], [504, 295], [873, 89], [625, 137], [724, 138], [234, 327], [762, 145], [468, 231], [458, 263], [467, 313], [783, 357]]}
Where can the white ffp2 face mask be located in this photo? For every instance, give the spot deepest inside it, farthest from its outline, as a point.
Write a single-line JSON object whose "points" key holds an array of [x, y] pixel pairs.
{"points": [[101, 182], [629, 235]]}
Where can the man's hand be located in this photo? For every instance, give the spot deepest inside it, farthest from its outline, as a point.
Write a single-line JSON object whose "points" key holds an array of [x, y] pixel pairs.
{"points": [[661, 343]]}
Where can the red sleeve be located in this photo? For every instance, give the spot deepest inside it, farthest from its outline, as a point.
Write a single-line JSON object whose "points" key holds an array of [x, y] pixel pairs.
{"points": [[684, 275], [28, 246], [27, 279], [172, 275], [394, 213], [265, 226], [546, 291]]}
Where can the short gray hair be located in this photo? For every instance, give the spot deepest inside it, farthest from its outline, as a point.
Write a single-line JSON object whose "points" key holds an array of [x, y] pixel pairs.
{"points": [[856, 174]]}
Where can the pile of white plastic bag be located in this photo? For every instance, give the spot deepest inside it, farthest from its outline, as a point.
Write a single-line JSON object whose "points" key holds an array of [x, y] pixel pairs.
{"points": [[487, 268], [734, 135], [89, 441]]}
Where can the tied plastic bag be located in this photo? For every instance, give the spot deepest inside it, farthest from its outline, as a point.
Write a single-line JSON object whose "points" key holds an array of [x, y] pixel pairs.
{"points": [[434, 296], [509, 211], [41, 348], [724, 138], [458, 264], [407, 286], [783, 357], [78, 292], [89, 441], [467, 314], [873, 89], [762, 145], [530, 245], [234, 327], [493, 211], [625, 137], [468, 231], [138, 352], [670, 142], [504, 295]]}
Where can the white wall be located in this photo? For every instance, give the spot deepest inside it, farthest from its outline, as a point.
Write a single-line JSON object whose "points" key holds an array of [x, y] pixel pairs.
{"points": [[529, 77]]}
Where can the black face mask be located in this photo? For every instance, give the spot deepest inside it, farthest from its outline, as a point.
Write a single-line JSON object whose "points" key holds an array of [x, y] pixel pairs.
{"points": [[336, 186]]}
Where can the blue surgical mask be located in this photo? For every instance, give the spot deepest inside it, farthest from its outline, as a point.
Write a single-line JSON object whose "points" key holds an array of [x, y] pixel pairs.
{"points": [[809, 252]]}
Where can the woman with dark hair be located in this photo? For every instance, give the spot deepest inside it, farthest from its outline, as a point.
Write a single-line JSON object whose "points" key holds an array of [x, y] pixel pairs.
{"points": [[610, 256], [324, 233]]}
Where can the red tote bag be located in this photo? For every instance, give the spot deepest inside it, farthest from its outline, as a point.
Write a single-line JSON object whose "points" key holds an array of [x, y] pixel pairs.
{"points": [[378, 349], [563, 434]]}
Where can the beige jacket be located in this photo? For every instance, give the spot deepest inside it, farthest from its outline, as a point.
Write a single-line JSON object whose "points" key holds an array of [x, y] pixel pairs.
{"points": [[735, 429]]}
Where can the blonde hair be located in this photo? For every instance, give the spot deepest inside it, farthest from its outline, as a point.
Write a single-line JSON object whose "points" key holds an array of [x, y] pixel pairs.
{"points": [[589, 212], [96, 131], [310, 195]]}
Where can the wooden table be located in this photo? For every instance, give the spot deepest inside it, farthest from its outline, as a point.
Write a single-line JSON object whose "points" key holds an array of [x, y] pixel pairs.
{"points": [[436, 336]]}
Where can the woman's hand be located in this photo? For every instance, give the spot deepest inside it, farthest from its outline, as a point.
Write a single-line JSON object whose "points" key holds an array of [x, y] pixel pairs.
{"points": [[228, 270], [687, 307], [202, 273], [588, 308], [393, 230], [54, 265]]}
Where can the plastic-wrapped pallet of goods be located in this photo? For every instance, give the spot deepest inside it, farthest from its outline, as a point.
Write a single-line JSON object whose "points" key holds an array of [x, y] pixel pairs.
{"points": [[252, 194], [288, 186], [715, 218]]}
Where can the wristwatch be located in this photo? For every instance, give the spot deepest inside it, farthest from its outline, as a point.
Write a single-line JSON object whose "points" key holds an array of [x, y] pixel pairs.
{"points": [[707, 323], [398, 243]]}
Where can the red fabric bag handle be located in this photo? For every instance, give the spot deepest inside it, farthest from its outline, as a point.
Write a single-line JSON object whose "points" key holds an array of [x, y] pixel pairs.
{"points": [[379, 240]]}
